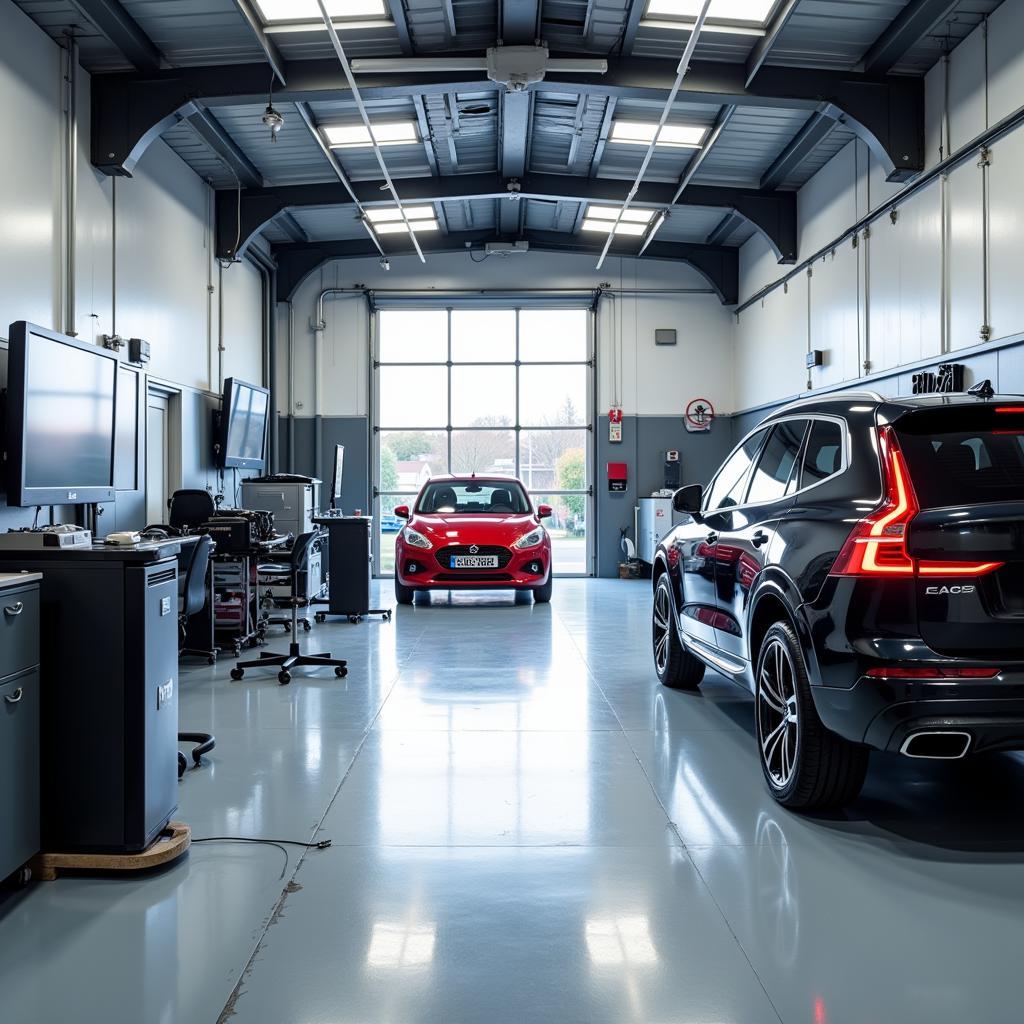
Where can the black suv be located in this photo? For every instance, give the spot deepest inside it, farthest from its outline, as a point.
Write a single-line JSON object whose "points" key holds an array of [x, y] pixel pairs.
{"points": [[858, 563]]}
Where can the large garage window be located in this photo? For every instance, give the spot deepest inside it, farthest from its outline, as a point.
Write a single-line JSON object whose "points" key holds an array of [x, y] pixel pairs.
{"points": [[499, 391]]}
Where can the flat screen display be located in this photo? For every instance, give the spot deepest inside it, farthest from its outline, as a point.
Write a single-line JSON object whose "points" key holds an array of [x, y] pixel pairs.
{"points": [[69, 416], [246, 408], [339, 466], [61, 414]]}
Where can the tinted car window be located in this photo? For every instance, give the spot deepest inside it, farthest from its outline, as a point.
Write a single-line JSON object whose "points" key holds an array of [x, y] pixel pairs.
{"points": [[824, 453], [774, 469], [729, 485], [966, 455]]}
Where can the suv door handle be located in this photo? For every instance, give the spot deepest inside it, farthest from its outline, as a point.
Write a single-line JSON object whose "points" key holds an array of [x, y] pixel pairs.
{"points": [[759, 538], [711, 538]]}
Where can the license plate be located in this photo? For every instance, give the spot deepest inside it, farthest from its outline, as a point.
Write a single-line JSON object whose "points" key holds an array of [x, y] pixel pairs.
{"points": [[474, 561]]}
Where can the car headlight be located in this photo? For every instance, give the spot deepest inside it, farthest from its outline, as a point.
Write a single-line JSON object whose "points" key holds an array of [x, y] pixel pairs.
{"points": [[529, 540], [417, 540]]}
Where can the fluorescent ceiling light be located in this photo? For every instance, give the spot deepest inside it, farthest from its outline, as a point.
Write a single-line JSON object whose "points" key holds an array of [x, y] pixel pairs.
{"points": [[624, 228], [632, 215], [392, 227], [287, 27], [711, 28], [752, 12], [384, 214], [309, 10], [641, 133], [350, 136]]}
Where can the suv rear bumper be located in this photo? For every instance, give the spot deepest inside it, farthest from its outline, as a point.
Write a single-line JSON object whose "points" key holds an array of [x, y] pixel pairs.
{"points": [[884, 713]]}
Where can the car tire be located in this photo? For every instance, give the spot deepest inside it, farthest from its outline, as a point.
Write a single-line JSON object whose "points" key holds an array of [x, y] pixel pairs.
{"points": [[542, 595], [403, 594], [806, 766], [676, 667]]}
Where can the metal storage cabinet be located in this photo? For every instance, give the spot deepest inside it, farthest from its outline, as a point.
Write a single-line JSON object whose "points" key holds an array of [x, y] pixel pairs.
{"points": [[654, 520], [350, 561], [19, 721], [109, 708]]}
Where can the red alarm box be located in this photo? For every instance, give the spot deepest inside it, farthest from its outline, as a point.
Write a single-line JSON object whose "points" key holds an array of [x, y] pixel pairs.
{"points": [[618, 476]]}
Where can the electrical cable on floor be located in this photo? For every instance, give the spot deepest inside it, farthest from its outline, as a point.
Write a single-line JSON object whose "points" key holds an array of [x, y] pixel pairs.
{"points": [[323, 844]]}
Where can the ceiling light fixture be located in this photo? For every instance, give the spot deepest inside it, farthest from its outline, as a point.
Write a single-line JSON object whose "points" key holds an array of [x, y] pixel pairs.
{"points": [[355, 136], [308, 10], [641, 133], [286, 27], [744, 12], [394, 227], [611, 213], [388, 214], [607, 226]]}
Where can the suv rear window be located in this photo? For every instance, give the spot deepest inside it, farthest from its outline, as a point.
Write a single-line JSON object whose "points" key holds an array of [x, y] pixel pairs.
{"points": [[824, 453], [971, 454]]}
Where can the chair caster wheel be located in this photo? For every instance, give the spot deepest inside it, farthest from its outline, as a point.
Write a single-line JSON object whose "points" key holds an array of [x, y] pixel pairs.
{"points": [[306, 626], [237, 673], [212, 659], [320, 617], [182, 764], [284, 677], [340, 671]]}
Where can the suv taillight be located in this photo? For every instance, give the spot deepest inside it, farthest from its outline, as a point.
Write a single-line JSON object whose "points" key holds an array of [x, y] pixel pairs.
{"points": [[878, 544]]}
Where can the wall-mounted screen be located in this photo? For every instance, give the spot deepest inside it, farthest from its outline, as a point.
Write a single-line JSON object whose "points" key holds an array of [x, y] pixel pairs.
{"points": [[61, 399], [244, 414]]}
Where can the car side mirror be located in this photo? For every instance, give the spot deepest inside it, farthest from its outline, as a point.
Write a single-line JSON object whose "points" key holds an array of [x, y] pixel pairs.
{"points": [[688, 500], [544, 511], [402, 511]]}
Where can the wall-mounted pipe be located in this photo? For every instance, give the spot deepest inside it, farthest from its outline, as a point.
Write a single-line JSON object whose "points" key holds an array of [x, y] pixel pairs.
{"points": [[70, 184]]}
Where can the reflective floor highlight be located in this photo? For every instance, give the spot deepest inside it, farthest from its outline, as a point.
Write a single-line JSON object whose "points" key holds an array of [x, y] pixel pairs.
{"points": [[527, 828]]}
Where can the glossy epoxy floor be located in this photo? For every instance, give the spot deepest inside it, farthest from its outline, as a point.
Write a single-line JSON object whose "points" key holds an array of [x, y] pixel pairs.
{"points": [[526, 828]]}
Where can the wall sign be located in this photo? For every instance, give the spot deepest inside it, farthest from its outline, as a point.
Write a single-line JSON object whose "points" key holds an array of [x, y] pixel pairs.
{"points": [[948, 379], [699, 415]]}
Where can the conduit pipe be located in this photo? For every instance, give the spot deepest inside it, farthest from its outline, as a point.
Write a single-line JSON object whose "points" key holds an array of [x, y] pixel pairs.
{"points": [[684, 66], [70, 185]]}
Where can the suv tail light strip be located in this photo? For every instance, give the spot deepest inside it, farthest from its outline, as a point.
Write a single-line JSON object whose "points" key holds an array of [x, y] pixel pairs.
{"points": [[878, 544], [926, 672]]}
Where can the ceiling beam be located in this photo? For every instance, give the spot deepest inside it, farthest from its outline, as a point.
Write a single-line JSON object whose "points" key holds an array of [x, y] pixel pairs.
{"points": [[121, 29], [701, 155], [291, 227], [396, 8], [520, 24], [909, 27], [771, 213], [131, 110], [267, 45], [815, 130], [725, 227], [515, 137], [633, 19], [773, 30], [212, 132], [718, 265]]}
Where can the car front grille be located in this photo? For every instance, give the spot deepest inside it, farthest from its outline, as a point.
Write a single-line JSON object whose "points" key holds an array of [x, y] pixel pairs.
{"points": [[445, 554]]}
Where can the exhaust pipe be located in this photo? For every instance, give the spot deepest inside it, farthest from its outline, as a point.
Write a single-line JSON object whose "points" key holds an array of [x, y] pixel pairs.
{"points": [[943, 746]]}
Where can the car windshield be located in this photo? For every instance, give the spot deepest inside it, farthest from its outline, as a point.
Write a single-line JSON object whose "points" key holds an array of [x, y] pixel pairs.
{"points": [[469, 497]]}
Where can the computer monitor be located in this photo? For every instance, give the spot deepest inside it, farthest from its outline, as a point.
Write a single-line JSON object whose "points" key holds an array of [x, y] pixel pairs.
{"points": [[339, 465], [61, 402], [243, 426]]}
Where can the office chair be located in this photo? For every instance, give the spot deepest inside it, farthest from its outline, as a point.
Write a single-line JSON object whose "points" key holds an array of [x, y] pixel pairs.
{"points": [[278, 572], [294, 659], [194, 594], [192, 599]]}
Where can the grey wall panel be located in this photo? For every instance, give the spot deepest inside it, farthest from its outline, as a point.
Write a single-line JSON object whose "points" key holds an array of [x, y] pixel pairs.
{"points": [[645, 441], [351, 431]]}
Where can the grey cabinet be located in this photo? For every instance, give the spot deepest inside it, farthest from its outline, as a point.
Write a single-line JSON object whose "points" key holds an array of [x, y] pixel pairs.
{"points": [[19, 725]]}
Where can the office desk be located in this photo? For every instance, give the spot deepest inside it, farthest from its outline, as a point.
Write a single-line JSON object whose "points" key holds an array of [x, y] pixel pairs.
{"points": [[109, 692]]}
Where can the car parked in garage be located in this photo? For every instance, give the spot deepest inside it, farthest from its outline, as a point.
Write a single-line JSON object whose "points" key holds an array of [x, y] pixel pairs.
{"points": [[476, 533], [858, 563]]}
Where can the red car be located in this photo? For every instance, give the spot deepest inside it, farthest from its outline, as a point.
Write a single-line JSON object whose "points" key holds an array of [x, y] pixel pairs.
{"points": [[472, 532]]}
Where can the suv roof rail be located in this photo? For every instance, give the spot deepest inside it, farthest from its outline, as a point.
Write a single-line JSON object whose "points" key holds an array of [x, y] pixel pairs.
{"points": [[835, 396]]}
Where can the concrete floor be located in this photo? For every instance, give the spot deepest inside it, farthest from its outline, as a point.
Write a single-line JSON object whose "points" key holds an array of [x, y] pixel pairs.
{"points": [[527, 828]]}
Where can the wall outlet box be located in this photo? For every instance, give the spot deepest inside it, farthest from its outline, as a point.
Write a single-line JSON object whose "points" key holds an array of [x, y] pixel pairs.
{"points": [[664, 336], [138, 351], [815, 358]]}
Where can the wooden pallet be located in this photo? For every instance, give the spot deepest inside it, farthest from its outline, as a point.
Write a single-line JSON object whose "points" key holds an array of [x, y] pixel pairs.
{"points": [[167, 847]]}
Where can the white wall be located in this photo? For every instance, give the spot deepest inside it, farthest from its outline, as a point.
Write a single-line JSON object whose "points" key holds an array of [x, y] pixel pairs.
{"points": [[914, 289], [654, 380], [162, 256]]}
